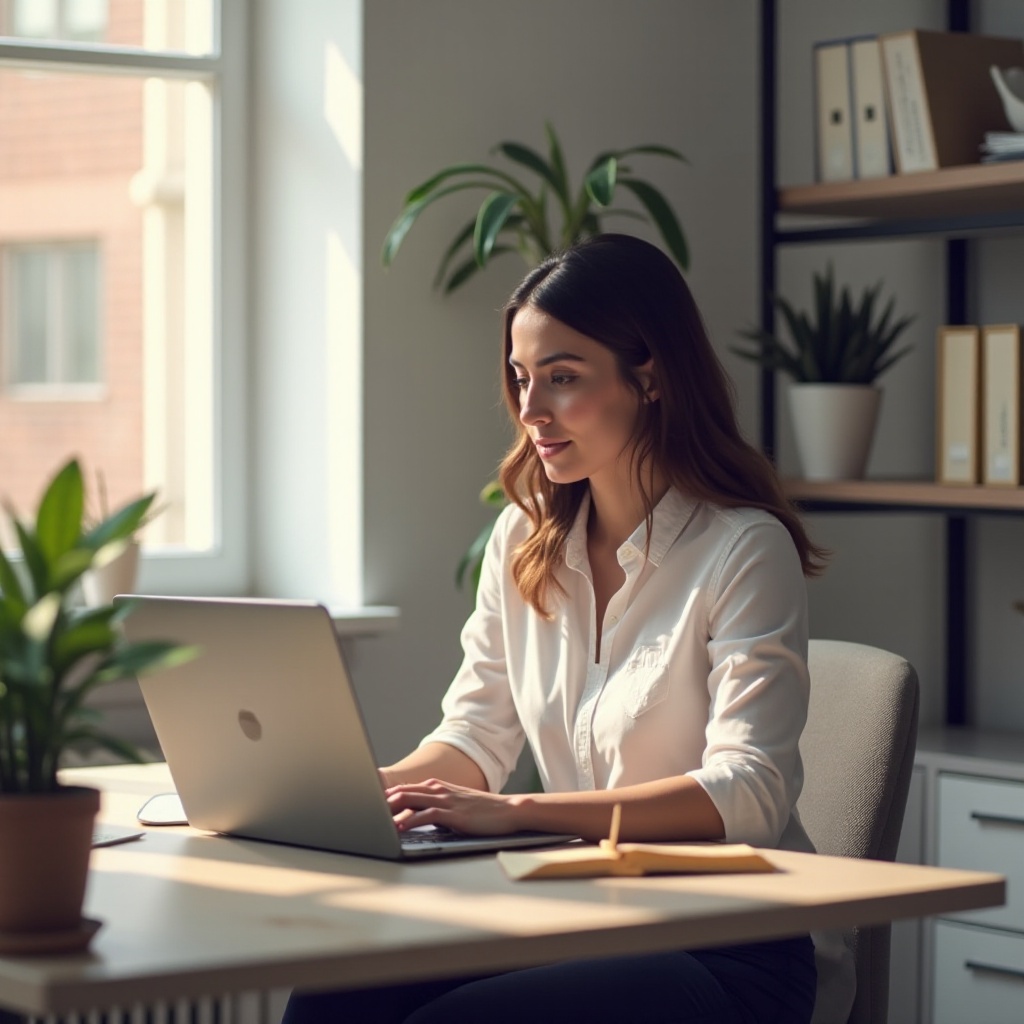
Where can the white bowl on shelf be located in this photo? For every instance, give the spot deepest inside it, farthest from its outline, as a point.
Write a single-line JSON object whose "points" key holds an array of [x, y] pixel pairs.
{"points": [[1009, 83]]}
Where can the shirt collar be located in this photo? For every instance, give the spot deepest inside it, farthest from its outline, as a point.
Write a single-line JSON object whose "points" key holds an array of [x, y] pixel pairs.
{"points": [[671, 515]]}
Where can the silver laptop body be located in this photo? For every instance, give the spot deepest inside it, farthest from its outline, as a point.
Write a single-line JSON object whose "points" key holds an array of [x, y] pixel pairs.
{"points": [[263, 735]]}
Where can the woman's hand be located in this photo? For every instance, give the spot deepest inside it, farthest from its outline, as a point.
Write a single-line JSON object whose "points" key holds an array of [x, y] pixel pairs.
{"points": [[460, 808]]}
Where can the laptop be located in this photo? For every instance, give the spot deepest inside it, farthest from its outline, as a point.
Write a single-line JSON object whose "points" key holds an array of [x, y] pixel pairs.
{"points": [[263, 735]]}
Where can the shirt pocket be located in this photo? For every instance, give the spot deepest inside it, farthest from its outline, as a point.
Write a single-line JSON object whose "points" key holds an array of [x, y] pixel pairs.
{"points": [[645, 678]]}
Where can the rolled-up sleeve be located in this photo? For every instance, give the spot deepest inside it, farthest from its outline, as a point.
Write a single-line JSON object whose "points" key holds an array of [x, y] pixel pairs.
{"points": [[758, 684], [478, 714]]}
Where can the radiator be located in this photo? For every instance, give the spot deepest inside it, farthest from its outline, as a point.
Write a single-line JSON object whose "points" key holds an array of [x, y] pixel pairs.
{"points": [[244, 1008]]}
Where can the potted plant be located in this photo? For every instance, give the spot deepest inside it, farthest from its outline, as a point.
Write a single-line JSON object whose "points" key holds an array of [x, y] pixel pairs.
{"points": [[534, 221], [834, 356], [52, 655]]}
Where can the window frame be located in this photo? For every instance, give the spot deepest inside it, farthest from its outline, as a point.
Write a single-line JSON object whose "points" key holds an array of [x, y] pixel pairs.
{"points": [[225, 568]]}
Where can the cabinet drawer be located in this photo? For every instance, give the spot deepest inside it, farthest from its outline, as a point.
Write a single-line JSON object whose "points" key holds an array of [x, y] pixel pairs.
{"points": [[981, 827], [979, 975]]}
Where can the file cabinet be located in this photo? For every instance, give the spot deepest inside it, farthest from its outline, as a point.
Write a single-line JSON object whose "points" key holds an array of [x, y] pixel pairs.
{"points": [[972, 963]]}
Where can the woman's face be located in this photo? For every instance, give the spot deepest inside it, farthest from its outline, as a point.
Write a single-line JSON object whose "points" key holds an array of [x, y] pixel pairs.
{"points": [[576, 408]]}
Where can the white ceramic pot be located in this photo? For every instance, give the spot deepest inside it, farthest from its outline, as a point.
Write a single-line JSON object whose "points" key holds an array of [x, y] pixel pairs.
{"points": [[834, 425], [103, 584]]}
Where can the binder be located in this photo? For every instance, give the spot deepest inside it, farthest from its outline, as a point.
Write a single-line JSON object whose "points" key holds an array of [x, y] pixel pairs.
{"points": [[872, 155], [1001, 405], [833, 105], [940, 96], [959, 405]]}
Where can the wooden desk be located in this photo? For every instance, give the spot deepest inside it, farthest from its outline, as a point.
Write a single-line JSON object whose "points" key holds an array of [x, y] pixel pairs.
{"points": [[189, 914]]}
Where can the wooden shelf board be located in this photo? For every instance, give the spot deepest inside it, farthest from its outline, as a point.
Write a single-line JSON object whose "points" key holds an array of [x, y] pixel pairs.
{"points": [[949, 192], [906, 493]]}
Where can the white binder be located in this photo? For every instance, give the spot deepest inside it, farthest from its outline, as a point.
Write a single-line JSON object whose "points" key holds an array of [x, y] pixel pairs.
{"points": [[872, 156], [833, 105]]}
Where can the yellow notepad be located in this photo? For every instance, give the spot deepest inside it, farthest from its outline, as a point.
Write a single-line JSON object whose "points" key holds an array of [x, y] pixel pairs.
{"points": [[614, 858]]}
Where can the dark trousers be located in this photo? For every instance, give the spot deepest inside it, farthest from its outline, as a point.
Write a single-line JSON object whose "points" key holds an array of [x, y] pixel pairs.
{"points": [[762, 983]]}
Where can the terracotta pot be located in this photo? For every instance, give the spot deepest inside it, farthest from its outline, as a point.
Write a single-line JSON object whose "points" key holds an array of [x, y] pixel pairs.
{"points": [[45, 843]]}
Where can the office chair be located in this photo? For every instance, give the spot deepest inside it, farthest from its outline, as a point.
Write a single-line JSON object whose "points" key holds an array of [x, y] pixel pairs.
{"points": [[858, 754]]}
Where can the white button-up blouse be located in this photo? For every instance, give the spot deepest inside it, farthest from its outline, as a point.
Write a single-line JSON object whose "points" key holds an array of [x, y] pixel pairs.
{"points": [[702, 667]]}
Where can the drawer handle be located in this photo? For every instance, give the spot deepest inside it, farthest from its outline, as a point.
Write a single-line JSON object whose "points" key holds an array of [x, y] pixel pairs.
{"points": [[996, 819], [973, 965]]}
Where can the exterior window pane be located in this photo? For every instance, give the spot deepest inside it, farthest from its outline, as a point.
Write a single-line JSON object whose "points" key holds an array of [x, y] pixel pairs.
{"points": [[85, 20], [80, 330], [186, 26], [34, 19], [29, 285]]}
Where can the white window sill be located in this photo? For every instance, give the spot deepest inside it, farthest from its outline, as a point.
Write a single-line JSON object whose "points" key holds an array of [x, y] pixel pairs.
{"points": [[368, 621]]}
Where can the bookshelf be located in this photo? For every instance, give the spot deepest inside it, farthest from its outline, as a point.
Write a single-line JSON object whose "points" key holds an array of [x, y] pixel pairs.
{"points": [[953, 205], [977, 191], [904, 496]]}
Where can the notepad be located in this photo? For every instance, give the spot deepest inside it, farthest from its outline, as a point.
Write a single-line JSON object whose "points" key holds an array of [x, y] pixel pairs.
{"points": [[612, 858]]}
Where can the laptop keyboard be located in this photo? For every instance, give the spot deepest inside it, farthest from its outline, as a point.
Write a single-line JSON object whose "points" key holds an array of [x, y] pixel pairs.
{"points": [[433, 834]]}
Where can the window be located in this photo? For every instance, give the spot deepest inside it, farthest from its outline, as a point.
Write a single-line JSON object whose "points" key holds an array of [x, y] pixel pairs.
{"points": [[120, 305], [51, 334], [76, 20]]}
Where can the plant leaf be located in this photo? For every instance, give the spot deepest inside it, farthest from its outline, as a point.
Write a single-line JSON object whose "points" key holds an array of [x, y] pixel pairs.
{"points": [[119, 526], [38, 621], [557, 161], [664, 218], [411, 211], [59, 519], [423, 191], [34, 559], [653, 150], [490, 220], [10, 585], [535, 162], [600, 182], [473, 558]]}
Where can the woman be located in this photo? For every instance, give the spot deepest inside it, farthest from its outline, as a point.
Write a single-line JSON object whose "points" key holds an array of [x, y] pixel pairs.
{"points": [[641, 622]]}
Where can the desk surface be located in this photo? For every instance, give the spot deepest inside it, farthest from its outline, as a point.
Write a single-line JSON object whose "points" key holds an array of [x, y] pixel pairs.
{"points": [[186, 913]]}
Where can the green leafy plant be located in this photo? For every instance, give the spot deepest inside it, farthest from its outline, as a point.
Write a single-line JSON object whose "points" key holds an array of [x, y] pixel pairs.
{"points": [[844, 343], [536, 221], [53, 654]]}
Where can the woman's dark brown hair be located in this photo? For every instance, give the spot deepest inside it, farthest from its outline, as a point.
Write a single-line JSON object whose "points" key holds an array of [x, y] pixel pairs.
{"points": [[628, 295]]}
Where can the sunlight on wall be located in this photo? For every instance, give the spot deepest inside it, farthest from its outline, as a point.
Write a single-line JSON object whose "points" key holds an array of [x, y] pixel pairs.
{"points": [[344, 412], [343, 104]]}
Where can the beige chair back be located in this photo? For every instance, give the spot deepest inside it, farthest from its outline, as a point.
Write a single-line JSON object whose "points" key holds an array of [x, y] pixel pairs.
{"points": [[858, 753]]}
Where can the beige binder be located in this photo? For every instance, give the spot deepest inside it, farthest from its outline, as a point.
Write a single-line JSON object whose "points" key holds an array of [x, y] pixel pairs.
{"points": [[959, 405], [870, 123], [833, 105], [1001, 406]]}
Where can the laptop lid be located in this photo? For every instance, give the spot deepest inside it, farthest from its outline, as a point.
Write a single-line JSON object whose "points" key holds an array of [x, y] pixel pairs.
{"points": [[262, 732]]}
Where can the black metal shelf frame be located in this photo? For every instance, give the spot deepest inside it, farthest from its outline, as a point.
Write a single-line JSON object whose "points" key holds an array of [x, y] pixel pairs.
{"points": [[955, 230]]}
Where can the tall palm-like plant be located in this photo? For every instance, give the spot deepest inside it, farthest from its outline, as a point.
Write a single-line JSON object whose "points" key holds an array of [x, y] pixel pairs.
{"points": [[539, 219], [535, 218]]}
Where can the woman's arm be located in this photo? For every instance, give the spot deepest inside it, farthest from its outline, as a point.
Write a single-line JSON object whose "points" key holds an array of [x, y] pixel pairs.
{"points": [[434, 761], [666, 809]]}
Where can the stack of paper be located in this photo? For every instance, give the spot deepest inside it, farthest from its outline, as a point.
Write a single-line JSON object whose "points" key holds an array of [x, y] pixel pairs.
{"points": [[999, 146]]}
